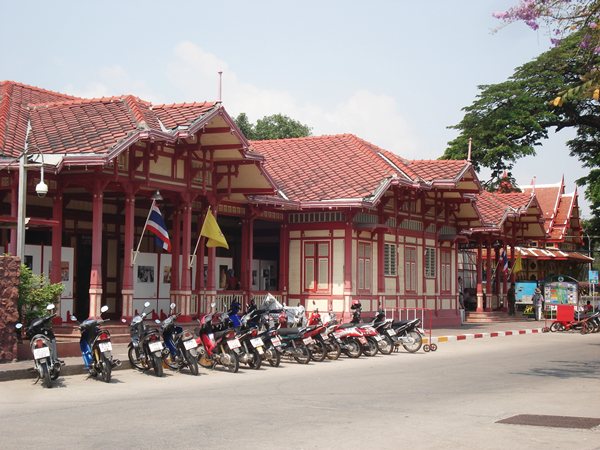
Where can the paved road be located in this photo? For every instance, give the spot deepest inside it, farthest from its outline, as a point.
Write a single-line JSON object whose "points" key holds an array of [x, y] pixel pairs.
{"points": [[445, 400]]}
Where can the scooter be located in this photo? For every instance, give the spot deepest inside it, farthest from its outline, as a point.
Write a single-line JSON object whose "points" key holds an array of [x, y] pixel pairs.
{"points": [[96, 348], [145, 349], [216, 343], [43, 346], [181, 347]]}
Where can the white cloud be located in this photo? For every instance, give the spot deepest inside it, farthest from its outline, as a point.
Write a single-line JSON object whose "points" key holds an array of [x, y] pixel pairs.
{"points": [[370, 116]]}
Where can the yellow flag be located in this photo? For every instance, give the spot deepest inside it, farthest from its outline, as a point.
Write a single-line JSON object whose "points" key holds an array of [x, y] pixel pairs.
{"points": [[211, 230], [518, 264], [596, 94]]}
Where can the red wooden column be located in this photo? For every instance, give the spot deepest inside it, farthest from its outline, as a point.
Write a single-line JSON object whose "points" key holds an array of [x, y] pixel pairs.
{"points": [[479, 277], [14, 206], [348, 266], [176, 250], [129, 231], [380, 265], [96, 272], [488, 278], [247, 263], [185, 293], [284, 252], [55, 270]]}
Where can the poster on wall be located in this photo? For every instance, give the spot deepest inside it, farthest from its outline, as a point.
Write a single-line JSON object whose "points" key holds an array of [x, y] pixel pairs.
{"points": [[166, 274], [524, 292], [64, 270], [145, 274]]}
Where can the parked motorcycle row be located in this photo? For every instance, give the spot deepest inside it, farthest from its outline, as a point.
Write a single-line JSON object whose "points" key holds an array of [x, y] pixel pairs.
{"points": [[261, 336], [583, 322]]}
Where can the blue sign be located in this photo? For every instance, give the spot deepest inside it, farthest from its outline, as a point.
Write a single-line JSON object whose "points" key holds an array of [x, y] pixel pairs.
{"points": [[593, 276]]}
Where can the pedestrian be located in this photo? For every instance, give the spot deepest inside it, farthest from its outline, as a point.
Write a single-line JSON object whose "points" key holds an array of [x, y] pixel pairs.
{"points": [[511, 298], [538, 300], [588, 308]]}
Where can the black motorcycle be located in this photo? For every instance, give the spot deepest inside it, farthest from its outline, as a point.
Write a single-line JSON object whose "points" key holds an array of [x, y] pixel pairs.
{"points": [[145, 349], [181, 346], [43, 346]]}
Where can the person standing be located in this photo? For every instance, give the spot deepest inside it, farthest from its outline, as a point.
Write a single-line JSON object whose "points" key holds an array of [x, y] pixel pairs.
{"points": [[538, 300], [511, 298]]}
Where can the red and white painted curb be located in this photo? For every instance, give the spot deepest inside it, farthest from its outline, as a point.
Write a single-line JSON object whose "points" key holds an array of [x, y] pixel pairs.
{"points": [[493, 334]]}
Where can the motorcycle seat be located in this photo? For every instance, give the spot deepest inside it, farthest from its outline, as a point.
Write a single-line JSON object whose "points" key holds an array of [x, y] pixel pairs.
{"points": [[347, 325], [288, 331], [220, 334], [400, 323]]}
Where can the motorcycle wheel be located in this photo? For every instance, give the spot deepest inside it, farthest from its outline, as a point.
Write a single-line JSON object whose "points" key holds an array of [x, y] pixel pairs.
{"points": [[256, 360], [318, 352], [302, 354], [106, 369], [370, 349], [273, 357], [353, 348], [385, 346], [192, 363], [556, 326], [55, 372], [46, 381], [134, 358], [157, 363], [170, 361], [416, 345], [234, 362], [333, 350]]}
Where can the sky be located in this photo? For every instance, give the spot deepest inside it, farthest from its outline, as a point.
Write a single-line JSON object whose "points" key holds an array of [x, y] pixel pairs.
{"points": [[394, 72]]}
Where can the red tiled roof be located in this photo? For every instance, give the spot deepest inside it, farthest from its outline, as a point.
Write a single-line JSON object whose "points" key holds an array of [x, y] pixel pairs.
{"points": [[14, 101], [562, 220], [182, 114], [548, 197], [342, 167], [494, 206]]}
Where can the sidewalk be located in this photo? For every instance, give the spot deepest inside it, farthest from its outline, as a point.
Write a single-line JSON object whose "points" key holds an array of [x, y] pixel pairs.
{"points": [[74, 365]]}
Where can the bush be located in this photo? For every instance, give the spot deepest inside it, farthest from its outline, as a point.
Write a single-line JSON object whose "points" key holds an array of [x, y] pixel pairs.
{"points": [[35, 293]]}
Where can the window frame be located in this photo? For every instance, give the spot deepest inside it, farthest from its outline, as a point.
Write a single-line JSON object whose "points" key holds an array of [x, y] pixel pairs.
{"points": [[429, 263], [410, 269], [390, 259], [367, 266], [318, 261]]}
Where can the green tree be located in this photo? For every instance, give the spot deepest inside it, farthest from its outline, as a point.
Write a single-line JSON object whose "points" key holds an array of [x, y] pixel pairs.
{"points": [[509, 120], [276, 126], [35, 293]]}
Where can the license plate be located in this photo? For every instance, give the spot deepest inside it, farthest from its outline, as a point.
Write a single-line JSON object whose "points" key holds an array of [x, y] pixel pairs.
{"points": [[308, 341], [105, 346], [42, 352], [276, 341], [391, 332], [234, 343], [190, 344], [362, 340], [257, 342], [155, 346], [377, 337], [260, 350], [324, 336]]}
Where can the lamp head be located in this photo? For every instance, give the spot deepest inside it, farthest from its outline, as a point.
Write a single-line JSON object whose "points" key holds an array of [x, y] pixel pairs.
{"points": [[41, 189]]}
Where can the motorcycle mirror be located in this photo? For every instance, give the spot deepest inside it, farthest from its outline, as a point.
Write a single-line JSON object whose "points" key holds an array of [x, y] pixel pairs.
{"points": [[50, 306], [18, 326], [104, 309], [212, 305], [157, 321], [146, 304], [74, 319], [144, 314], [123, 320], [172, 306]]}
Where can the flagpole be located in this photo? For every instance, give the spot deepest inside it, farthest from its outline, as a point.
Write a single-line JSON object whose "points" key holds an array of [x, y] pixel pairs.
{"points": [[142, 235], [198, 241]]}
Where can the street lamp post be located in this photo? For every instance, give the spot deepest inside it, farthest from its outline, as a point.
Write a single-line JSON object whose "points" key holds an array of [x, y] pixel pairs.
{"points": [[41, 189]]}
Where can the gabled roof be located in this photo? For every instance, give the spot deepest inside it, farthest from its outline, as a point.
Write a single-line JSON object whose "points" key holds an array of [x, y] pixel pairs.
{"points": [[346, 169]]}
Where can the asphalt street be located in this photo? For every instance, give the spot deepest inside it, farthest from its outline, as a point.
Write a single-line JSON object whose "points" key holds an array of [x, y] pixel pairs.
{"points": [[450, 399]]}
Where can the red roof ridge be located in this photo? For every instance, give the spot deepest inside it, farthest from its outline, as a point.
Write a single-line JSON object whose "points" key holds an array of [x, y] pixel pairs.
{"points": [[321, 136], [132, 104], [35, 88], [84, 101], [182, 105]]}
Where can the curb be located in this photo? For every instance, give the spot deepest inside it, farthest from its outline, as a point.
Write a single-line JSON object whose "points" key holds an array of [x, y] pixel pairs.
{"points": [[464, 337], [69, 369]]}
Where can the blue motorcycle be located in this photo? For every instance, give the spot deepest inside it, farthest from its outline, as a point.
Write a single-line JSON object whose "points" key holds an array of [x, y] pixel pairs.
{"points": [[181, 347]]}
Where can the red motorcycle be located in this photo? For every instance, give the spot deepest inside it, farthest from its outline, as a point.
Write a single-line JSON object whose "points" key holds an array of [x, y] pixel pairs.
{"points": [[331, 348], [217, 343]]}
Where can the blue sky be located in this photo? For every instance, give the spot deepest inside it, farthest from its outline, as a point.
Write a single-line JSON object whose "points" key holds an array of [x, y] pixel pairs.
{"points": [[395, 73]]}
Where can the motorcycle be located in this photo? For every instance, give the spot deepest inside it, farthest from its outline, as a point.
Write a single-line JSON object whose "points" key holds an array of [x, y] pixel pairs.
{"points": [[294, 344], [322, 346], [216, 343], [269, 339], [96, 348], [383, 326], [181, 347], [408, 334], [43, 347], [145, 349], [370, 348]]}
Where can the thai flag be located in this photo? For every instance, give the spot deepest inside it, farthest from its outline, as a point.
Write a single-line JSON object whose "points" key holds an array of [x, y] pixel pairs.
{"points": [[504, 259], [156, 225]]}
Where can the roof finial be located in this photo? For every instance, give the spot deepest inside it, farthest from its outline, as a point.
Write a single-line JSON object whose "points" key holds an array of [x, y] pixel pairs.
{"points": [[469, 152], [220, 84], [533, 184]]}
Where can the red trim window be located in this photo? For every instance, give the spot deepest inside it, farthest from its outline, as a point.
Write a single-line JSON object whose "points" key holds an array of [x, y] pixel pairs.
{"points": [[365, 272], [316, 266], [446, 270], [410, 269]]}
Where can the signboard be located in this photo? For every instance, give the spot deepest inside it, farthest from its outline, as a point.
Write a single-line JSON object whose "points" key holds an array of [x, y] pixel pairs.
{"points": [[561, 293], [524, 292], [593, 276]]}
